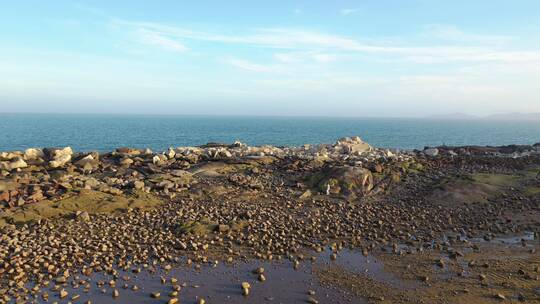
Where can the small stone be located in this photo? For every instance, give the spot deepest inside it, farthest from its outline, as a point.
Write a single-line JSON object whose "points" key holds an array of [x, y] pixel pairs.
{"points": [[83, 216], [155, 295], [312, 300], [63, 293], [138, 185]]}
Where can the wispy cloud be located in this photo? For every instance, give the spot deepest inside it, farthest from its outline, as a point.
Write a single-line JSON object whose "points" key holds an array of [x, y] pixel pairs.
{"points": [[305, 40], [348, 11], [297, 57], [453, 33], [156, 39], [254, 67]]}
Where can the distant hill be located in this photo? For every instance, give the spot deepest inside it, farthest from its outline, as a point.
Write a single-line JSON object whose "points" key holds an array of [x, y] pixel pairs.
{"points": [[505, 116], [514, 116], [454, 116]]}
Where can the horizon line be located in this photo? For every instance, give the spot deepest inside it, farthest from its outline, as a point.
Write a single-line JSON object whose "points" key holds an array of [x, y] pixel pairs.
{"points": [[449, 116]]}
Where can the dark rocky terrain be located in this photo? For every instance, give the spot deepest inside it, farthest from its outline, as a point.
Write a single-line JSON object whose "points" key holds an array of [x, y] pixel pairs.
{"points": [[446, 224]]}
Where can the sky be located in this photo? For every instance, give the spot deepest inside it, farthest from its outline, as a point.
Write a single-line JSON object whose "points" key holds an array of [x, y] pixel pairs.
{"points": [[380, 58]]}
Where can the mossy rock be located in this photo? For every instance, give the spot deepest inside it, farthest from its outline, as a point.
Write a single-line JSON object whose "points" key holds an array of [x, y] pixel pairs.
{"points": [[200, 228], [532, 191], [90, 201], [346, 181], [500, 180]]}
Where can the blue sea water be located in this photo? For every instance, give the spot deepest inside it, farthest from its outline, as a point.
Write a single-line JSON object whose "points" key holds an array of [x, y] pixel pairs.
{"points": [[107, 132]]}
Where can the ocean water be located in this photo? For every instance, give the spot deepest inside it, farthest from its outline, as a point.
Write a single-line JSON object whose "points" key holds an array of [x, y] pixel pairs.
{"points": [[107, 132]]}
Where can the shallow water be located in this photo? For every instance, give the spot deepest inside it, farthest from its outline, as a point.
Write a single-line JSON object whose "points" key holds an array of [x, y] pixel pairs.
{"points": [[107, 132], [221, 283]]}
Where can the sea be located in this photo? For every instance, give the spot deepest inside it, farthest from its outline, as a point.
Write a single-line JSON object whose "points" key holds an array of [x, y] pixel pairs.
{"points": [[158, 132]]}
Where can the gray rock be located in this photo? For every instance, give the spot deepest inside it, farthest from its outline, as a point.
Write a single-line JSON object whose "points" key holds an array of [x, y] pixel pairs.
{"points": [[16, 163], [431, 152], [33, 153], [58, 157]]}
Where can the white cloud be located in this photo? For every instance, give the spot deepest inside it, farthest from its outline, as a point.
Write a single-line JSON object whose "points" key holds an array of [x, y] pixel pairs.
{"points": [[298, 57], [312, 41], [347, 11], [453, 33], [325, 58], [254, 67], [156, 39]]}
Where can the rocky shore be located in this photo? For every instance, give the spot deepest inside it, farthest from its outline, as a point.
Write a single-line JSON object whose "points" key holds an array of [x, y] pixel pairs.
{"points": [[67, 216]]}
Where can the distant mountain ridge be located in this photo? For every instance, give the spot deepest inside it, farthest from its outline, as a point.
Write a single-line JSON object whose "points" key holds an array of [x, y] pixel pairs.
{"points": [[515, 116], [503, 116]]}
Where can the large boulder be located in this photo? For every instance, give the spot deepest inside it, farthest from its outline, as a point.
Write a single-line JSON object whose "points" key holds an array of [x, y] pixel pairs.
{"points": [[88, 162], [16, 163], [431, 152], [350, 182], [58, 157], [129, 151], [33, 153], [350, 145]]}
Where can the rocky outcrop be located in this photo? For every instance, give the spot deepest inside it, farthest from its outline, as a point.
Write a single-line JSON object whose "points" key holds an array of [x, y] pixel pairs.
{"points": [[16, 163], [350, 182], [58, 157], [351, 145], [33, 154]]}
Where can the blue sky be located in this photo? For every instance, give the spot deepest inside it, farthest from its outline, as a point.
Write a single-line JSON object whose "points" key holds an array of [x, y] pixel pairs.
{"points": [[331, 58]]}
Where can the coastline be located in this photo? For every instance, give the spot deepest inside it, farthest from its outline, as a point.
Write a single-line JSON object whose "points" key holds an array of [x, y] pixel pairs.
{"points": [[107, 216]]}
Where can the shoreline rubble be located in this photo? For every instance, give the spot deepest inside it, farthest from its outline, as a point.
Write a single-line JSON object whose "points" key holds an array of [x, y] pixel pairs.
{"points": [[63, 212]]}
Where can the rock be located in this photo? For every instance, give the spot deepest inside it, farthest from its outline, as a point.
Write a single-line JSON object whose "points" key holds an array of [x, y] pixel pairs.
{"points": [[155, 295], [115, 293], [63, 293], [138, 185], [431, 152], [91, 183], [60, 161], [88, 162], [129, 151], [58, 157], [350, 145], [312, 300], [170, 153], [159, 159], [307, 194], [61, 280], [17, 163], [223, 228], [245, 288], [83, 216], [347, 181], [33, 153], [53, 153], [224, 153], [126, 161], [173, 301]]}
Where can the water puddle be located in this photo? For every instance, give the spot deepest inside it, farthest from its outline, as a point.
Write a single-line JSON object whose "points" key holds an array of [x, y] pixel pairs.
{"points": [[221, 283]]}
